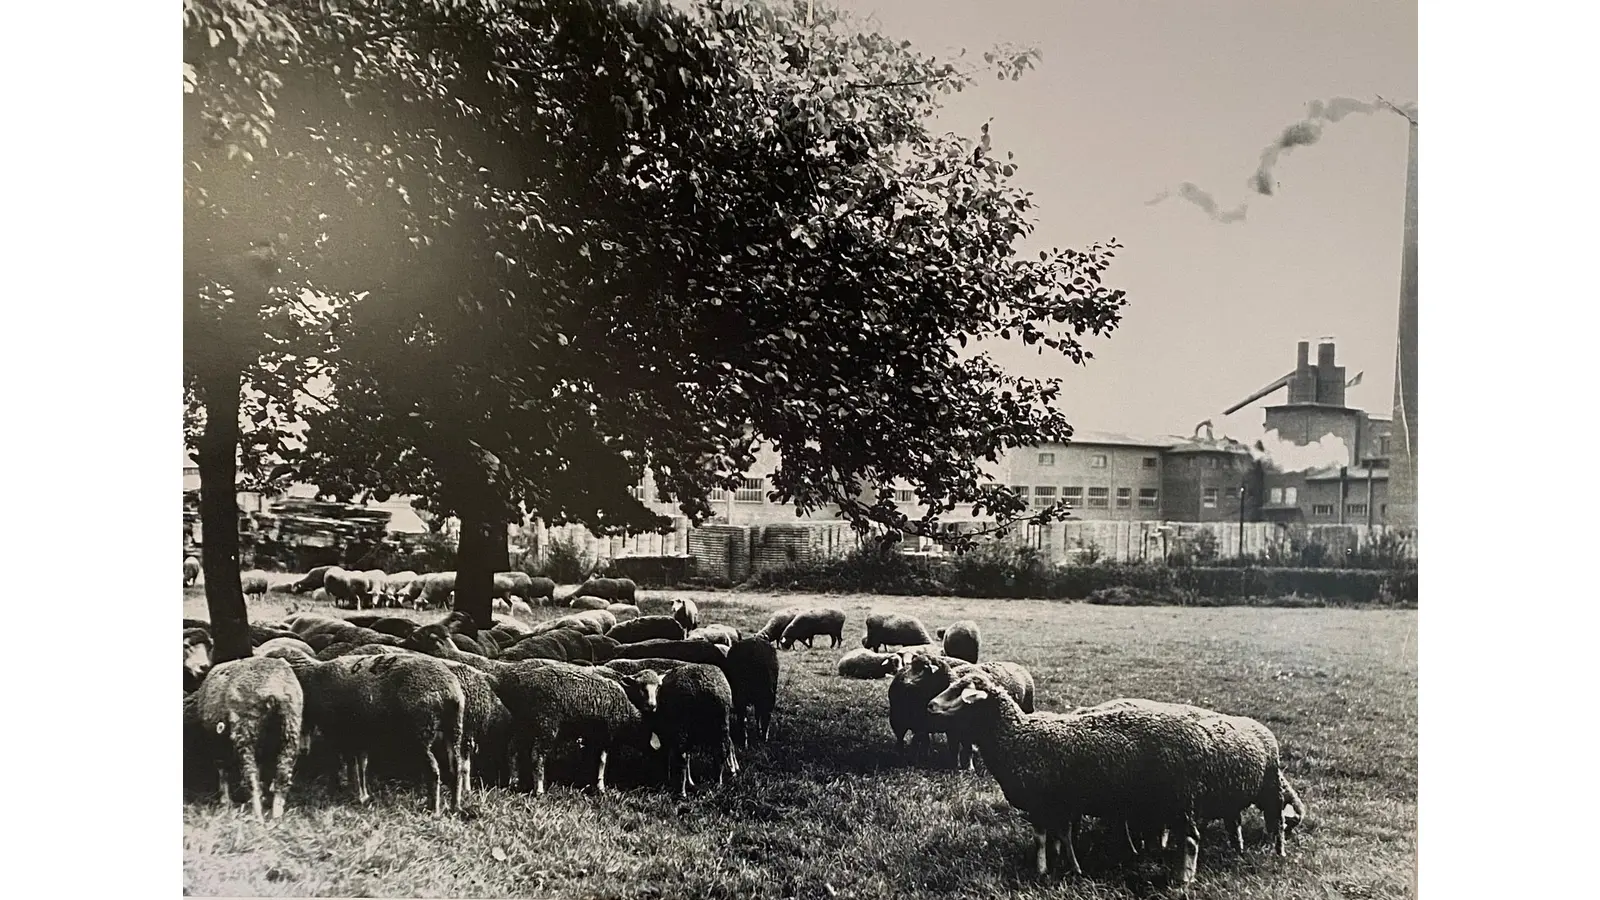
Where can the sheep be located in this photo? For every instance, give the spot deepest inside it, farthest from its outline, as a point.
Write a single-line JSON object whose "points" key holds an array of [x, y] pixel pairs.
{"points": [[551, 702], [906, 653], [362, 703], [694, 705], [310, 581], [591, 621], [776, 623], [540, 588], [349, 590], [961, 640], [396, 586], [621, 590], [588, 602], [893, 629], [687, 612], [635, 666], [196, 657], [752, 669], [321, 595], [864, 663], [509, 631], [624, 611], [815, 622], [254, 705], [514, 584], [281, 643], [486, 734], [1241, 769], [646, 628], [715, 634], [499, 606], [520, 607], [922, 678], [374, 579], [253, 583], [261, 632], [432, 590], [1111, 763], [565, 644], [690, 651], [191, 570]]}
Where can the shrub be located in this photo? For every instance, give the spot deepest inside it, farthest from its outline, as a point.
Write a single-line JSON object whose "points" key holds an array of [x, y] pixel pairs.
{"points": [[564, 563], [653, 571]]}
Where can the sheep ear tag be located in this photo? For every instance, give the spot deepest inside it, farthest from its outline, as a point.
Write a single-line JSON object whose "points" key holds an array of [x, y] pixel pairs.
{"points": [[655, 741], [973, 695]]}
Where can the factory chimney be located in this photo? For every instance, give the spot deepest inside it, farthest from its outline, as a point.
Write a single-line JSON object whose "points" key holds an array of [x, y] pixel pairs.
{"points": [[1403, 460]]}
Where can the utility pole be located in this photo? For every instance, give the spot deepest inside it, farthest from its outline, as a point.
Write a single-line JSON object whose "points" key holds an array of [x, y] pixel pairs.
{"points": [[1241, 520]]}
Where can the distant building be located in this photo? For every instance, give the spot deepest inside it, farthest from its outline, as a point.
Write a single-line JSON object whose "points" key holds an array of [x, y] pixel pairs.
{"points": [[1102, 476], [1207, 479]]}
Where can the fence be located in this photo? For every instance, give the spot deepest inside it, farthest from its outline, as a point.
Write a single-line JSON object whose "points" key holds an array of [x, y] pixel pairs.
{"points": [[1069, 542], [721, 553]]}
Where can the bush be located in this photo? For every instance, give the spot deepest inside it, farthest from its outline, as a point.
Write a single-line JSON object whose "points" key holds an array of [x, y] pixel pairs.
{"points": [[868, 569], [564, 563], [653, 571]]}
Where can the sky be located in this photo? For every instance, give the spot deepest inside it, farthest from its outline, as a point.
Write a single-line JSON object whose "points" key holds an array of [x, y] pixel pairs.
{"points": [[1135, 97]]}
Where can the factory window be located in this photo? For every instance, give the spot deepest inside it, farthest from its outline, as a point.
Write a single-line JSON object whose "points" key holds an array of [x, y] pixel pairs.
{"points": [[1149, 462], [1383, 446], [905, 496], [1044, 496], [1147, 498], [1097, 461], [1383, 510], [1047, 459], [1291, 495], [1021, 491], [1355, 509], [751, 490], [1275, 496], [1208, 498], [1073, 496], [1322, 509], [1214, 463], [1099, 498], [1124, 498]]}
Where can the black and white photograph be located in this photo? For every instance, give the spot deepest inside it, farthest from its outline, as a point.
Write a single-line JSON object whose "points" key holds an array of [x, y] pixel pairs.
{"points": [[802, 450], [839, 449]]}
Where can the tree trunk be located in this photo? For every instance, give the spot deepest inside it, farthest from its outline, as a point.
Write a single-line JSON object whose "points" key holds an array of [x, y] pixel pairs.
{"points": [[219, 517], [476, 563]]}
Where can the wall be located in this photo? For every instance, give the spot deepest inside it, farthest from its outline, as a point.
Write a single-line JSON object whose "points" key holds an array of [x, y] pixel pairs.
{"points": [[1186, 476], [1073, 467], [1307, 424], [1066, 542]]}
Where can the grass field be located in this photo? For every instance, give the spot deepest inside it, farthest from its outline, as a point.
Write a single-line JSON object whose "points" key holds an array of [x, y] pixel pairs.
{"points": [[827, 809]]}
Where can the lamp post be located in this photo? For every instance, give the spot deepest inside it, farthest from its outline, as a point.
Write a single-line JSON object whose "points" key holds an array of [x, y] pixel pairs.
{"points": [[1241, 520]]}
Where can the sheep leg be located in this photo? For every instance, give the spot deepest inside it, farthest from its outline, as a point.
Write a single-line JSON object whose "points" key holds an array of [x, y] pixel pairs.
{"points": [[288, 752], [222, 783], [1272, 816], [437, 774], [1235, 826], [600, 774], [1068, 839], [244, 752], [1187, 852], [1127, 834], [536, 772], [1042, 855], [685, 780], [362, 759]]}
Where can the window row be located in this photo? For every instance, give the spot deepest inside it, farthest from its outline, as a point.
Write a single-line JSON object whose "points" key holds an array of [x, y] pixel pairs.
{"points": [[1098, 461], [1045, 495]]}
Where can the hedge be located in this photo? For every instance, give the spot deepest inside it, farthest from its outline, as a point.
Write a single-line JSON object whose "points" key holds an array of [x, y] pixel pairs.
{"points": [[1027, 576]]}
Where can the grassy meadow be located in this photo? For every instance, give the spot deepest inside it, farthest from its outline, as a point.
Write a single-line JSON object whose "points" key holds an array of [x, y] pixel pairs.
{"points": [[828, 810]]}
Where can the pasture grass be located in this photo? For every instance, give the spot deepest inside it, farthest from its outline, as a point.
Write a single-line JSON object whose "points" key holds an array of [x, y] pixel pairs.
{"points": [[829, 810]]}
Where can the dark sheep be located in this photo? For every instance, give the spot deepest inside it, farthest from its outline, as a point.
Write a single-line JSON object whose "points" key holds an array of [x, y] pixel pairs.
{"points": [[779, 620], [540, 588], [602, 646], [565, 644], [196, 657], [513, 584], [311, 580], [253, 583], [196, 623], [817, 622], [689, 651], [588, 602], [191, 570], [752, 668], [251, 710], [260, 633], [687, 612], [961, 640], [359, 704], [554, 702], [647, 628], [693, 709], [486, 734], [893, 629], [616, 590]]}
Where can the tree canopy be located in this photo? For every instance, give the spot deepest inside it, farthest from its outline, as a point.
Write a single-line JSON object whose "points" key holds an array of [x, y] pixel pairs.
{"points": [[576, 239]]}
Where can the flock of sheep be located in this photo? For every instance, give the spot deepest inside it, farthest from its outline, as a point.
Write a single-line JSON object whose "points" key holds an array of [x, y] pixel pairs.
{"points": [[492, 705]]}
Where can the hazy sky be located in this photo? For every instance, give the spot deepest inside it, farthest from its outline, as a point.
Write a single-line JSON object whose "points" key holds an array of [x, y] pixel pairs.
{"points": [[1134, 97]]}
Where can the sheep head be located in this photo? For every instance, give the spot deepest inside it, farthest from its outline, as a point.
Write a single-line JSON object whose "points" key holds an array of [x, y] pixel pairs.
{"points": [[196, 654], [643, 689], [970, 692]]}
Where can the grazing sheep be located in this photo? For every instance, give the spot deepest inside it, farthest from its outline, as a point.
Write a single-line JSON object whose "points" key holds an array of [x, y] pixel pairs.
{"points": [[588, 602], [690, 651], [752, 669], [893, 629], [687, 612], [253, 706], [196, 657], [281, 643], [540, 588], [961, 640], [191, 570], [310, 581], [395, 587], [816, 622], [715, 634], [694, 705], [554, 702], [778, 621], [1113, 763], [520, 607], [617, 590], [590, 621], [374, 579], [922, 678], [349, 590], [565, 644], [486, 734], [253, 583], [321, 595], [432, 591], [513, 584], [864, 663], [364, 703], [905, 653], [624, 611], [646, 628]]}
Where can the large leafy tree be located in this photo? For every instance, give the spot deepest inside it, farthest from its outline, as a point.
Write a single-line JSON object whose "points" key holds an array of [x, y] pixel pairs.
{"points": [[595, 237]]}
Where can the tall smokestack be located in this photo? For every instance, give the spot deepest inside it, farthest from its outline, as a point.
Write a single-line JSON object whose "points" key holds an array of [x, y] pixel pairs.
{"points": [[1302, 356], [1403, 459]]}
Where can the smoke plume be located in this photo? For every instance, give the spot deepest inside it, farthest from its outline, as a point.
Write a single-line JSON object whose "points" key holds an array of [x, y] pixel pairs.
{"points": [[1303, 133], [1329, 450]]}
